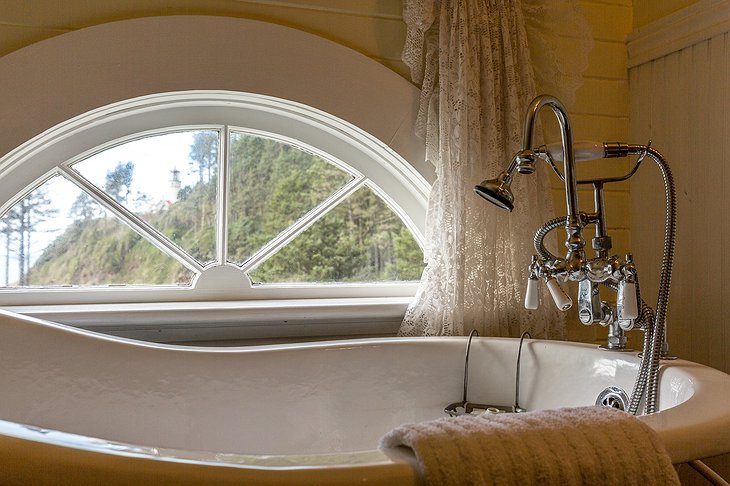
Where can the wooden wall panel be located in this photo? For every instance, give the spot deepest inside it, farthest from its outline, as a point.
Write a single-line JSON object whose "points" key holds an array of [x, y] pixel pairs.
{"points": [[601, 113], [680, 101]]}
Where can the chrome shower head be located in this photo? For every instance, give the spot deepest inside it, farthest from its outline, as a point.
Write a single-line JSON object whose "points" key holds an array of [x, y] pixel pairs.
{"points": [[497, 191]]}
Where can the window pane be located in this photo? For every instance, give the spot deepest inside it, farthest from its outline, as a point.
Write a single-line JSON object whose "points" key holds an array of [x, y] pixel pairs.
{"points": [[169, 181], [58, 235], [360, 240], [272, 184]]}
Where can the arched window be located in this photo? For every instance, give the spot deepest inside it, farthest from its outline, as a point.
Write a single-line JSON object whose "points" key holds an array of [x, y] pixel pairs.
{"points": [[165, 214], [167, 206]]}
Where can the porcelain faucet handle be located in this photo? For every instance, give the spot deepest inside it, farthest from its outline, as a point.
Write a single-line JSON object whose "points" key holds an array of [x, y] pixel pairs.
{"points": [[627, 304], [562, 300], [531, 300]]}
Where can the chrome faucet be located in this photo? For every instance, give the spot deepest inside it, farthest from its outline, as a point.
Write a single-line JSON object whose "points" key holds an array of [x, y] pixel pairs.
{"points": [[575, 266], [605, 269]]}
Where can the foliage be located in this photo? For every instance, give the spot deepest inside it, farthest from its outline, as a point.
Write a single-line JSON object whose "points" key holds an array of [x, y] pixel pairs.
{"points": [[83, 208], [104, 251], [119, 182], [204, 155], [360, 240]]}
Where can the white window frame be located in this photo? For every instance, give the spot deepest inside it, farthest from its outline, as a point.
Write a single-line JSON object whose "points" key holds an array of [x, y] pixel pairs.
{"points": [[221, 295]]}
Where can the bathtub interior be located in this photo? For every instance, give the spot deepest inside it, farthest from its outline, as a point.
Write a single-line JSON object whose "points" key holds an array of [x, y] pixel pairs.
{"points": [[561, 374], [283, 400]]}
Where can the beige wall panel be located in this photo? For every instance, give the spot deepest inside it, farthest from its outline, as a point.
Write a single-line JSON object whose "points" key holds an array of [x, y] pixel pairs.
{"points": [[609, 22], [600, 128], [371, 36], [711, 194], [80, 13], [368, 8], [681, 102], [603, 97], [647, 11], [13, 37], [394, 65], [77, 14], [723, 342], [625, 3], [608, 60], [374, 33]]}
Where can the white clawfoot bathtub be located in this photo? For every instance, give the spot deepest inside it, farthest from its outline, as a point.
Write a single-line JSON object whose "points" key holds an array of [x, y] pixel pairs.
{"points": [[81, 408]]}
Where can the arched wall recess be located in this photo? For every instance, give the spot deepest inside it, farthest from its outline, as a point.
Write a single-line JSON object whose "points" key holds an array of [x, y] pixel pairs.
{"points": [[104, 83]]}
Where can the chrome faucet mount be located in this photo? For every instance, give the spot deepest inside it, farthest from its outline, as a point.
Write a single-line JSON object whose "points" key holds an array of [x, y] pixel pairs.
{"points": [[604, 268]]}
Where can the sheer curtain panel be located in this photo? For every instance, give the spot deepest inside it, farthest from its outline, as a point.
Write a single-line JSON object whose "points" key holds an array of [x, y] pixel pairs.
{"points": [[473, 61]]}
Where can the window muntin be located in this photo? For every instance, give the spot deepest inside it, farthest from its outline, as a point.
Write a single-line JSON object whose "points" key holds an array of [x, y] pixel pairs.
{"points": [[301, 192]]}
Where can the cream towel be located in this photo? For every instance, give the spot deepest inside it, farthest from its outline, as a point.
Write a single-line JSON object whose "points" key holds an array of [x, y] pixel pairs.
{"points": [[567, 446]]}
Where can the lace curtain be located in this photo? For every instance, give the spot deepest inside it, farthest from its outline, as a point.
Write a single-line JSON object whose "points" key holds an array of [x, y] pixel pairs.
{"points": [[474, 60]]}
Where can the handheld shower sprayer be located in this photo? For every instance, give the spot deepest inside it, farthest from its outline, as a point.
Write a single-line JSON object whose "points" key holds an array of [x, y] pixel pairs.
{"points": [[575, 266], [498, 190]]}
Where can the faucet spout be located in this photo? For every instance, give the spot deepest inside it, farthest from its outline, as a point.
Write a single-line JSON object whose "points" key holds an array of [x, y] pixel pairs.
{"points": [[527, 159]]}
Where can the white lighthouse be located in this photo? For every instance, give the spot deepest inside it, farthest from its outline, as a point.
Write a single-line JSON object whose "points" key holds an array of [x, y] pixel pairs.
{"points": [[174, 188]]}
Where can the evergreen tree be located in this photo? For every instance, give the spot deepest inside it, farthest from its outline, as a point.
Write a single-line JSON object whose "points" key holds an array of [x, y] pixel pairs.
{"points": [[83, 208], [118, 182], [203, 160], [25, 216], [204, 155], [9, 227]]}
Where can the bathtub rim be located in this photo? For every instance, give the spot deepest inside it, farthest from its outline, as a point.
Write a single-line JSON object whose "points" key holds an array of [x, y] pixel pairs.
{"points": [[104, 459], [683, 430]]}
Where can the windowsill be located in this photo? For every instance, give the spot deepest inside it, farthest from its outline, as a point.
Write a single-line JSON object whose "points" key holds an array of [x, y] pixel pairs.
{"points": [[188, 322]]}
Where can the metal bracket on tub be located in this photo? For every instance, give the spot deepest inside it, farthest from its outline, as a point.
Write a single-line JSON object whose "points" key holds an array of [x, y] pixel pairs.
{"points": [[464, 407]]}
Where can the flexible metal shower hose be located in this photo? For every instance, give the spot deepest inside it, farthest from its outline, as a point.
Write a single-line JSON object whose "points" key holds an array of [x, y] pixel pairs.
{"points": [[647, 381], [665, 282]]}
